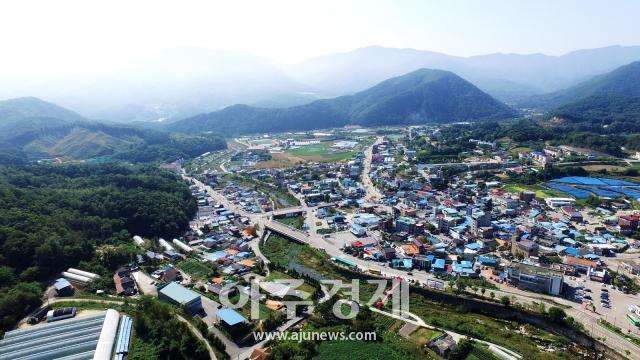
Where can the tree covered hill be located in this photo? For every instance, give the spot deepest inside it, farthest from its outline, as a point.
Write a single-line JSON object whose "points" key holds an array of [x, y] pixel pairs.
{"points": [[84, 140], [606, 104], [623, 81], [31, 128], [422, 96], [54, 217], [30, 113]]}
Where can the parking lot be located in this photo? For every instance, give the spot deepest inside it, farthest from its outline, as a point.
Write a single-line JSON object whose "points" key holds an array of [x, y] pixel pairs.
{"points": [[617, 300]]}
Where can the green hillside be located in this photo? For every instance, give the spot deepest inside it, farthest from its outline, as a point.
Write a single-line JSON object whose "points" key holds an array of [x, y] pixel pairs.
{"points": [[423, 96], [29, 113], [623, 81], [89, 140]]}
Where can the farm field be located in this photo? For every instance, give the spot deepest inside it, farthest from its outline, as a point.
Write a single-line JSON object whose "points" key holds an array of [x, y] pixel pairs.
{"points": [[195, 268], [322, 152], [540, 191]]}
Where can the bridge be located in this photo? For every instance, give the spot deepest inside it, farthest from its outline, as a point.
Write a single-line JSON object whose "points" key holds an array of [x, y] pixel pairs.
{"points": [[288, 232], [298, 210]]}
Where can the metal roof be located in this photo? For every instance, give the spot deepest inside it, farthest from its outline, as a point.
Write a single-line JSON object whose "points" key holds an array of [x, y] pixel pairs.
{"points": [[179, 294], [230, 316], [76, 339]]}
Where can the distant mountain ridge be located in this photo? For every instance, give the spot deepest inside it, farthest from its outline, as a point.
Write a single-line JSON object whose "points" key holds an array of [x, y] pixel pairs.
{"points": [[30, 113], [505, 76], [419, 97], [182, 82]]}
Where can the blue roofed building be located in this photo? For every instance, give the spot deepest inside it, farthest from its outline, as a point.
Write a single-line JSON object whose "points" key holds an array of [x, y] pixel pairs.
{"points": [[230, 318], [438, 265], [176, 294]]}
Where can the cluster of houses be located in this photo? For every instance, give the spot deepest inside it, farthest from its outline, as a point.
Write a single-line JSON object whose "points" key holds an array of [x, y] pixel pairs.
{"points": [[471, 225], [250, 200]]}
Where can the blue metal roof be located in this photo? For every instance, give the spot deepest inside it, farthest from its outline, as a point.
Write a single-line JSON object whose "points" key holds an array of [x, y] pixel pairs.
{"points": [[439, 264], [230, 316]]}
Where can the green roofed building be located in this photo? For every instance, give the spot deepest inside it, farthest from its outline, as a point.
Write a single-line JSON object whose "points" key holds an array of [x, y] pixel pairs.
{"points": [[176, 294]]}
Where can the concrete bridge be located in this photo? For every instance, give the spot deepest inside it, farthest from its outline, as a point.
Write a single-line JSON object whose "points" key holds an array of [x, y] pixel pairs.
{"points": [[288, 232]]}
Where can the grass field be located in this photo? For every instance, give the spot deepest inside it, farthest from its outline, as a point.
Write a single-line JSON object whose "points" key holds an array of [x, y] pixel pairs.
{"points": [[321, 152], [423, 336], [195, 268], [295, 222], [481, 352], [540, 191]]}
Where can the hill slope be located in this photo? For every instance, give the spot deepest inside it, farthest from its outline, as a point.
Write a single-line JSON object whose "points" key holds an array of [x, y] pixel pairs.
{"points": [[609, 103], [419, 97], [83, 140], [623, 81], [30, 113]]}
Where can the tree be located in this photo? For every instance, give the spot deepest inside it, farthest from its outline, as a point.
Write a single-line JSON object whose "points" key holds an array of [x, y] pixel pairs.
{"points": [[462, 349], [482, 291], [505, 300], [542, 309], [363, 321], [493, 295], [557, 314]]}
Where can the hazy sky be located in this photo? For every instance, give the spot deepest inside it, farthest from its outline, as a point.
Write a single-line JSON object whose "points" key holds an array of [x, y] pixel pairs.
{"points": [[42, 39]]}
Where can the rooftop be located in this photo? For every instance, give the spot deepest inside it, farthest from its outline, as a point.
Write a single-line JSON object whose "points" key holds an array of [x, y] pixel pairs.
{"points": [[230, 316], [179, 293]]}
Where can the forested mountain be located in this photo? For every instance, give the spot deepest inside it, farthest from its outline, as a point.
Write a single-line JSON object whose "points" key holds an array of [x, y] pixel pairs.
{"points": [[30, 113], [608, 104], [419, 97], [504, 76], [83, 140], [54, 217], [623, 81], [31, 128]]}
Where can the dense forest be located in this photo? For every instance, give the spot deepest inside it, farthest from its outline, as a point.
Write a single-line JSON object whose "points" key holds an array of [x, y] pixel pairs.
{"points": [[533, 133], [86, 140], [160, 335], [54, 217]]}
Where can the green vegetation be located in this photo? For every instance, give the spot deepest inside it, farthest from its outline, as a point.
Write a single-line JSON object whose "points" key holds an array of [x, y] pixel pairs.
{"points": [[195, 268], [83, 140], [321, 151], [294, 222], [617, 330], [501, 332], [424, 336], [55, 217], [275, 275], [286, 254], [399, 100], [540, 191], [160, 335]]}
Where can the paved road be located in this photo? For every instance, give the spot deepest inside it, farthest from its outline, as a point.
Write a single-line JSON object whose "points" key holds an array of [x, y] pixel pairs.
{"points": [[372, 192], [197, 333]]}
